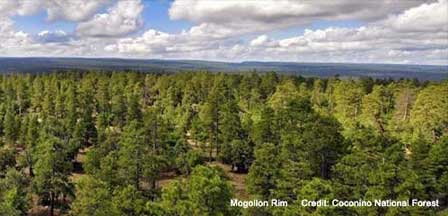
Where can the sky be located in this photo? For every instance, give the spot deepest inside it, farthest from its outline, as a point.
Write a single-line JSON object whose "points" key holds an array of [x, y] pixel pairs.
{"points": [[353, 31]]}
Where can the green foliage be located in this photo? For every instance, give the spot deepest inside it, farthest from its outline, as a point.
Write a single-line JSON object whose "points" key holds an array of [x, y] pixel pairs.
{"points": [[205, 192], [264, 170], [438, 160], [347, 99], [128, 201], [92, 198], [7, 159], [241, 155], [14, 199], [186, 158], [376, 107], [315, 189], [11, 126], [298, 138], [429, 115]]}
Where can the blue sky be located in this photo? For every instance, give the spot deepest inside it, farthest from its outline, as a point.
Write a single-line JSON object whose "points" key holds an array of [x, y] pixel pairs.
{"points": [[156, 16], [36, 23], [382, 31]]}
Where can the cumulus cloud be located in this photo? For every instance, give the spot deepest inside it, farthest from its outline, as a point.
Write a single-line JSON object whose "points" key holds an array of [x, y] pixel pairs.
{"points": [[254, 16], [46, 43], [210, 30], [122, 19], [425, 18], [394, 32], [77, 10], [19, 7], [57, 36], [279, 10], [262, 40], [9, 37], [377, 42], [418, 35], [364, 44], [151, 41]]}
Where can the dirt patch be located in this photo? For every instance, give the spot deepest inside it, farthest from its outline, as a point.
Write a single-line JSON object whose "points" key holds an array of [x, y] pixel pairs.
{"points": [[166, 178], [238, 180]]}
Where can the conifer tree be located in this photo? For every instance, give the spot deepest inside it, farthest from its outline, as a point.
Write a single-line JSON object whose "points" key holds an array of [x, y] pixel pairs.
{"points": [[52, 168], [14, 199], [429, 116], [92, 198], [264, 171]]}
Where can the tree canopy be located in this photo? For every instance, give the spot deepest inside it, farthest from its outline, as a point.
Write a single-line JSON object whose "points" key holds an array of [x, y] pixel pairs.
{"points": [[130, 143]]}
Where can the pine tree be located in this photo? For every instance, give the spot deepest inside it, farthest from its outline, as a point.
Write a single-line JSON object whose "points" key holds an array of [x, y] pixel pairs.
{"points": [[231, 128], [31, 139], [52, 168], [439, 169], [376, 108], [264, 171], [205, 192], [92, 198], [128, 200], [14, 199], [429, 116], [10, 126], [136, 159], [347, 99], [186, 158], [265, 130], [7, 159]]}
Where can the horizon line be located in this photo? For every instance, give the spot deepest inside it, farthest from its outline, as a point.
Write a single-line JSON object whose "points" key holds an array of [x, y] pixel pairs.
{"points": [[219, 61]]}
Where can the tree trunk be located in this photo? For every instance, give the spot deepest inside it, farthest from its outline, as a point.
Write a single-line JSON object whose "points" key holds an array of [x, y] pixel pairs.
{"points": [[217, 134], [356, 108], [154, 141], [137, 179], [434, 135], [323, 166], [153, 184], [406, 108], [380, 125], [30, 165], [51, 204], [210, 151]]}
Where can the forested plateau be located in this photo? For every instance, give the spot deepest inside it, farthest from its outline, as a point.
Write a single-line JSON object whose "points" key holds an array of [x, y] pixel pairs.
{"points": [[129, 143]]}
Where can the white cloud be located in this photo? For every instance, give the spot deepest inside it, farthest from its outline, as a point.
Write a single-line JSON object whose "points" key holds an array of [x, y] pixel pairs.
{"points": [[122, 19], [263, 40], [57, 36], [424, 18], [73, 10], [414, 32], [46, 43], [209, 30], [10, 39], [378, 42], [151, 41], [19, 7], [277, 10], [255, 16]]}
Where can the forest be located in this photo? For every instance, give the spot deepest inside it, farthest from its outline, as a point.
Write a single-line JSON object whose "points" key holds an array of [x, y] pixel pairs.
{"points": [[179, 144]]}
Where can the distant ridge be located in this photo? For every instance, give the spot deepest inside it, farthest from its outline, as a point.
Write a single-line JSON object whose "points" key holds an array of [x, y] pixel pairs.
{"points": [[394, 71]]}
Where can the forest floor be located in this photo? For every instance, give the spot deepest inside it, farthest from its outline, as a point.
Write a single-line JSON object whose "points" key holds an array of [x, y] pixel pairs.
{"points": [[238, 180], [38, 209]]}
